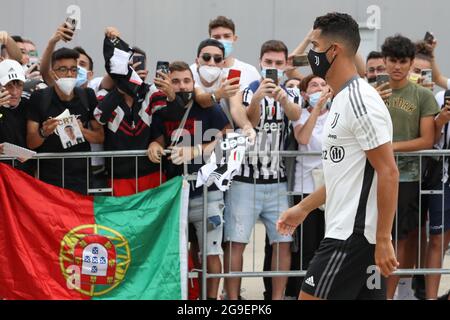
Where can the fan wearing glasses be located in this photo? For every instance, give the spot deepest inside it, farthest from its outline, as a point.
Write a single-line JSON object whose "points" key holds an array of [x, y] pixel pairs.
{"points": [[212, 86], [210, 83]]}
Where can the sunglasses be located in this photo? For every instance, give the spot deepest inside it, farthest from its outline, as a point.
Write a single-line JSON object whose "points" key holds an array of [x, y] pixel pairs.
{"points": [[206, 57]]}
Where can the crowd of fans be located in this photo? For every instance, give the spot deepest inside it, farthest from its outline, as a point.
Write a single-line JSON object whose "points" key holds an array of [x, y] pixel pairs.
{"points": [[127, 109]]}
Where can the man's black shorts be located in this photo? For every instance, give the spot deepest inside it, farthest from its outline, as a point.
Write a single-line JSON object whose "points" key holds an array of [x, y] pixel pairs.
{"points": [[344, 270], [407, 218]]}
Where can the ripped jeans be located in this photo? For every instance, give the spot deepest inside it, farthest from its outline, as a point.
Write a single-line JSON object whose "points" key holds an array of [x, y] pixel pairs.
{"points": [[215, 221]]}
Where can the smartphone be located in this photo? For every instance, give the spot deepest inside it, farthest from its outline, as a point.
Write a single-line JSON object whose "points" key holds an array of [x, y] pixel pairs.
{"points": [[72, 23], [233, 73], [141, 59], [272, 74], [300, 61], [372, 81], [446, 98], [163, 67], [34, 67], [382, 78], [429, 37], [427, 75]]}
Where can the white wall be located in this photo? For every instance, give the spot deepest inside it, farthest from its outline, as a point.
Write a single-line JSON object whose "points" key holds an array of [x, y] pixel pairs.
{"points": [[172, 29]]}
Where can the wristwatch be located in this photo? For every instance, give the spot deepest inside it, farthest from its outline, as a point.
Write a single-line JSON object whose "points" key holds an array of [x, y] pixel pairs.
{"points": [[213, 98], [42, 133]]}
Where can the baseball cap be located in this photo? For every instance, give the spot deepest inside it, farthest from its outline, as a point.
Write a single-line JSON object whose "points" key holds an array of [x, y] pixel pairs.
{"points": [[11, 70], [210, 43]]}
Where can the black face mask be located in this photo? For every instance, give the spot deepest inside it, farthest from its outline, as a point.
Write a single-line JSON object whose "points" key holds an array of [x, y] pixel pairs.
{"points": [[185, 96], [319, 62]]}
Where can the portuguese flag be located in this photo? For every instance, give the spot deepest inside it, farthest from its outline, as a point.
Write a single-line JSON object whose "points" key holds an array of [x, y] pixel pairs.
{"points": [[57, 244]]}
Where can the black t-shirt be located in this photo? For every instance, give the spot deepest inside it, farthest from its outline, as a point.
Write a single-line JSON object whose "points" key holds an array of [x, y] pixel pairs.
{"points": [[13, 129], [75, 170], [198, 122], [129, 129]]}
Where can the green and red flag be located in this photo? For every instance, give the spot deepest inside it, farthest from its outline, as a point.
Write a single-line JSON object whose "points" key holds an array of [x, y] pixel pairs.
{"points": [[57, 244]]}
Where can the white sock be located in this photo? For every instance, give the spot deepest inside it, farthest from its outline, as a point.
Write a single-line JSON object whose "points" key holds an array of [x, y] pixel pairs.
{"points": [[405, 288]]}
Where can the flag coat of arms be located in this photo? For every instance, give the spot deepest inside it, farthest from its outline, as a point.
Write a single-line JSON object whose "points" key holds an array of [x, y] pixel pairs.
{"points": [[57, 244]]}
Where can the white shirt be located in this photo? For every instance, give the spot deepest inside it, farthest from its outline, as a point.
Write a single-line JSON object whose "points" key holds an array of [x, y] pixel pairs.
{"points": [[304, 166], [358, 121], [249, 74]]}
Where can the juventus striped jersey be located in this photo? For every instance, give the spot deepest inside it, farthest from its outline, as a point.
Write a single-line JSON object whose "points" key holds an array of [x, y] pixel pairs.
{"points": [[358, 121], [271, 134]]}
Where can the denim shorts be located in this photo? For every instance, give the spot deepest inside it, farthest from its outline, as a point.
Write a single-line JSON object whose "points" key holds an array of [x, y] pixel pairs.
{"points": [[246, 202], [215, 221]]}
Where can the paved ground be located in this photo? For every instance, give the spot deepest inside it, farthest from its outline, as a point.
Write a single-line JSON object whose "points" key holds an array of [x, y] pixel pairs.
{"points": [[253, 288]]}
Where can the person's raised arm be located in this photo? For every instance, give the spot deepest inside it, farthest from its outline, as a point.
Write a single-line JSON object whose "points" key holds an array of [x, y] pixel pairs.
{"points": [[292, 110], [12, 48], [438, 77], [225, 91], [63, 33], [292, 72], [266, 88]]}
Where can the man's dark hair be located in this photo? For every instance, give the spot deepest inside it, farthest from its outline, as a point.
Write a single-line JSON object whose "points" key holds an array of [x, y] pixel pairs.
{"points": [[398, 47], [223, 22], [180, 66], [423, 51], [305, 82], [80, 50], [64, 53], [294, 78], [29, 42], [339, 26], [17, 39], [210, 43], [374, 55], [139, 51], [274, 46]]}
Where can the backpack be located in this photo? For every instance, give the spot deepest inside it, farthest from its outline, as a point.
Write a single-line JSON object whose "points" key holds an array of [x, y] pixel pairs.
{"points": [[81, 93]]}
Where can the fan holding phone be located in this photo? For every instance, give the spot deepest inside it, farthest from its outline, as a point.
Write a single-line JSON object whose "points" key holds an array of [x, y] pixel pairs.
{"points": [[213, 82], [139, 63]]}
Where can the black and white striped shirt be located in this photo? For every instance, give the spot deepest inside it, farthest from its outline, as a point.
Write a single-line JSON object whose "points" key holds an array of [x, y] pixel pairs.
{"points": [[261, 166]]}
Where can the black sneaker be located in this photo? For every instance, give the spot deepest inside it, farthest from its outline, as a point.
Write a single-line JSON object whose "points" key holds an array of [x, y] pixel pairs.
{"points": [[418, 285], [444, 296]]}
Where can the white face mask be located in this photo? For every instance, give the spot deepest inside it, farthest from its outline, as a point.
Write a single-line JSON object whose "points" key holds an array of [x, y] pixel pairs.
{"points": [[66, 85], [209, 73]]}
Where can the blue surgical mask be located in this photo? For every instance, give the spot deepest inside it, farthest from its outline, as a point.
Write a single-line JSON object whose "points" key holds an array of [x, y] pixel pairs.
{"points": [[314, 98], [228, 47], [81, 76], [280, 73]]}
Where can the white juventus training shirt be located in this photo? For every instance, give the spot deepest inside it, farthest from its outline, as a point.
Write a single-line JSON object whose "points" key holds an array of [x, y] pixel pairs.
{"points": [[358, 121]]}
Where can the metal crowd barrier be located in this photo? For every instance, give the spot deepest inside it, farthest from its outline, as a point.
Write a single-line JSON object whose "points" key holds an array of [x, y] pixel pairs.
{"points": [[282, 154]]}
